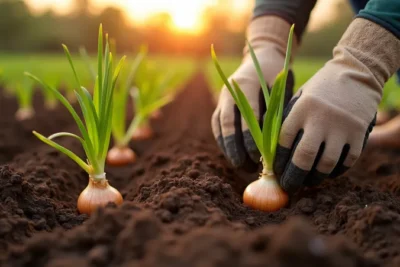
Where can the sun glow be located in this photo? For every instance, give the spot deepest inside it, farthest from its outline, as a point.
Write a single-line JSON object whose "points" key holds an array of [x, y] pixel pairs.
{"points": [[184, 21], [185, 15]]}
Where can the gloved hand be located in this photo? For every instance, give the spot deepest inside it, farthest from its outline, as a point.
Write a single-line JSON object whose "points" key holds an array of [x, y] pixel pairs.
{"points": [[327, 123], [268, 37]]}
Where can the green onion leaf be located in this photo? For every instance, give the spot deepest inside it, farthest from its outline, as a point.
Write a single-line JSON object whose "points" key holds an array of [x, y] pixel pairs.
{"points": [[248, 115], [271, 125], [135, 66], [67, 53], [65, 134], [260, 75], [63, 150], [98, 88], [24, 93], [242, 104], [142, 115]]}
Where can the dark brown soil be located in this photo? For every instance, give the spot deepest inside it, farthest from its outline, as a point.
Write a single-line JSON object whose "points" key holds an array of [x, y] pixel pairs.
{"points": [[183, 203]]}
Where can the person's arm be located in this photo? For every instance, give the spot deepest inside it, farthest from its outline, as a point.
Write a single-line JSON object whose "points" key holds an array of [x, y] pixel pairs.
{"points": [[293, 11], [385, 13]]}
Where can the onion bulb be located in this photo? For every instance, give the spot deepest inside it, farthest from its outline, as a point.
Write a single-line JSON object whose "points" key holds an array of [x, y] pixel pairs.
{"points": [[24, 114], [119, 156], [98, 193], [265, 194], [143, 133]]}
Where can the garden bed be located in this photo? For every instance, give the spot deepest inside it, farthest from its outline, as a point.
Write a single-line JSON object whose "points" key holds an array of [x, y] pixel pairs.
{"points": [[183, 203]]}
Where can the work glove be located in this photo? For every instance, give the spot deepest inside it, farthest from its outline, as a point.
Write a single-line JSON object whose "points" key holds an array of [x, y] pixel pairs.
{"points": [[268, 36], [327, 123]]}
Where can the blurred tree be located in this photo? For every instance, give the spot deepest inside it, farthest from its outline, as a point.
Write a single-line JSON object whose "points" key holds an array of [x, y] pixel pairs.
{"points": [[219, 30], [22, 31], [157, 33], [82, 6], [14, 23], [114, 23]]}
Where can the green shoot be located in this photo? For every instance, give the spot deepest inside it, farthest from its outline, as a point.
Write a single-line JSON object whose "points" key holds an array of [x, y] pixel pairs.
{"points": [[122, 135], [120, 132], [145, 104], [8, 84], [266, 138], [50, 99], [154, 92], [95, 130], [24, 93], [121, 154]]}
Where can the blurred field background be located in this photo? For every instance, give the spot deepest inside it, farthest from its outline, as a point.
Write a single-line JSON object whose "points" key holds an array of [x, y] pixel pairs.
{"points": [[178, 34]]}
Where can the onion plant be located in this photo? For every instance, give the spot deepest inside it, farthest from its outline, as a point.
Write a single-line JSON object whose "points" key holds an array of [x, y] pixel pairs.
{"points": [[24, 93], [121, 153], [50, 99], [95, 130], [148, 93], [265, 193]]}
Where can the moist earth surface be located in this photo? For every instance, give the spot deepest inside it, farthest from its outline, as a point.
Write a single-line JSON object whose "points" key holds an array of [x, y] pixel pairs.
{"points": [[183, 204]]}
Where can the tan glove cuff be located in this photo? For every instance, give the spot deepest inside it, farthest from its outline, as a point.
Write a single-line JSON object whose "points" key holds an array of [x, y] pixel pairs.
{"points": [[269, 31], [373, 46]]}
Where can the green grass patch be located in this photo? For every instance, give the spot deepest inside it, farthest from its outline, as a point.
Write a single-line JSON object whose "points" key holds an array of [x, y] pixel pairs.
{"points": [[13, 66]]}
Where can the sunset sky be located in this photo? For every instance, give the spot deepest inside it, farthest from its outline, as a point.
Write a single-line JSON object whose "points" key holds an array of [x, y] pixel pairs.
{"points": [[186, 14]]}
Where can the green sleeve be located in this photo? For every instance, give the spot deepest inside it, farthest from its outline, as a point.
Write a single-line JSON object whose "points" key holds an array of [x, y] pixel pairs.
{"points": [[293, 11], [383, 12]]}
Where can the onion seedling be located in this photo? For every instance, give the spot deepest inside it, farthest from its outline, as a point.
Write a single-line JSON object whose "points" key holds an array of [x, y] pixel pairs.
{"points": [[264, 194], [24, 93], [50, 99], [148, 93], [96, 129], [121, 153]]}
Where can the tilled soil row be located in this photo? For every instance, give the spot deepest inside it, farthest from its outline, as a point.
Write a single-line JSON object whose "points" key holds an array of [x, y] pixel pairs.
{"points": [[183, 204]]}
